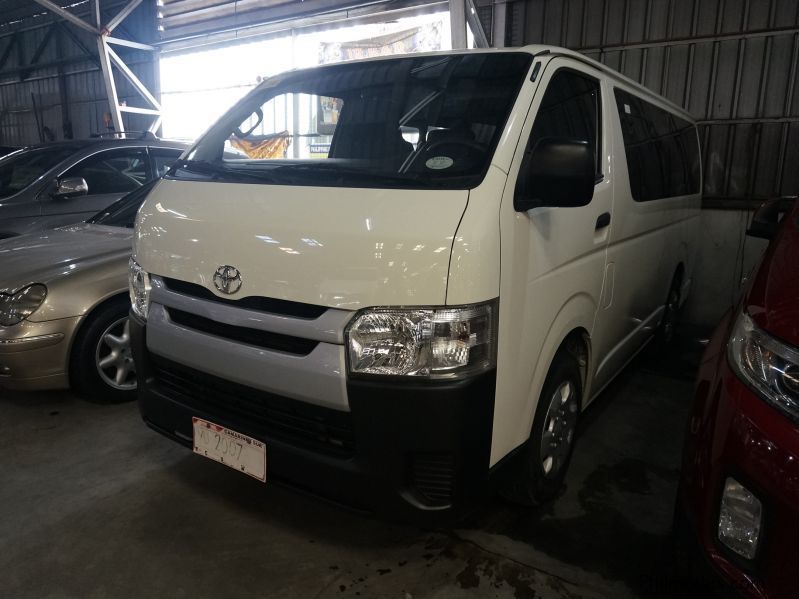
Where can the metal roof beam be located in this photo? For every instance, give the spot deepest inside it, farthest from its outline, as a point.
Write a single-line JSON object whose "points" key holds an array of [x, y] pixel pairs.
{"points": [[137, 110], [16, 71], [96, 12], [37, 54], [131, 77], [65, 14], [499, 24], [77, 41], [118, 41], [120, 16], [7, 52], [247, 14], [457, 23], [476, 25], [110, 86], [366, 15]]}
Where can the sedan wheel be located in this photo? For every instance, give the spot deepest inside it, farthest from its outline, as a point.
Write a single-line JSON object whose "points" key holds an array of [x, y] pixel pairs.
{"points": [[113, 357], [101, 364]]}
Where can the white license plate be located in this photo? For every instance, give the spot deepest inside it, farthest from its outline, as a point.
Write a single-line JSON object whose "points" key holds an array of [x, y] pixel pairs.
{"points": [[230, 448]]}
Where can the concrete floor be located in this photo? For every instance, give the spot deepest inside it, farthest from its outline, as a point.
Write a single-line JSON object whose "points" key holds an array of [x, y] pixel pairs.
{"points": [[94, 504]]}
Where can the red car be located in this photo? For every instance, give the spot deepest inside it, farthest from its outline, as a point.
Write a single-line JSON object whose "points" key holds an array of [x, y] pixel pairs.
{"points": [[738, 501]]}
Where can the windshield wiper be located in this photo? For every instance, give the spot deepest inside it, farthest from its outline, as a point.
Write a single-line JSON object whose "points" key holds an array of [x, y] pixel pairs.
{"points": [[218, 171], [360, 175], [98, 219]]}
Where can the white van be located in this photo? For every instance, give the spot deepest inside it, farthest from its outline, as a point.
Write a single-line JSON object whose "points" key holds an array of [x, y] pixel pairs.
{"points": [[393, 282]]}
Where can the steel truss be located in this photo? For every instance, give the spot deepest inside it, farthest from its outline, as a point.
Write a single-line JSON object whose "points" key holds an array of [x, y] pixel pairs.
{"points": [[108, 59]]}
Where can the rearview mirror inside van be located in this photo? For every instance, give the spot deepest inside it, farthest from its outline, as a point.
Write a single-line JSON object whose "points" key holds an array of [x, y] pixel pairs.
{"points": [[558, 173]]}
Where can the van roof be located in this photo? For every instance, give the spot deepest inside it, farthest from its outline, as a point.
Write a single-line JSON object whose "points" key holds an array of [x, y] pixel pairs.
{"points": [[644, 91], [537, 50]]}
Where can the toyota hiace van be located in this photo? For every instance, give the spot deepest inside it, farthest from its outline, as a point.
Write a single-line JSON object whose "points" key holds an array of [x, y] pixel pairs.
{"points": [[398, 282]]}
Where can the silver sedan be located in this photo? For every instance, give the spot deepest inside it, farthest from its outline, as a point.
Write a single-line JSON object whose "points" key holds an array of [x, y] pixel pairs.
{"points": [[64, 305]]}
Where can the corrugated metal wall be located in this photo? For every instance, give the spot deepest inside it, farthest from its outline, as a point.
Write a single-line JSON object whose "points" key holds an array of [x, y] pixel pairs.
{"points": [[731, 63], [64, 73]]}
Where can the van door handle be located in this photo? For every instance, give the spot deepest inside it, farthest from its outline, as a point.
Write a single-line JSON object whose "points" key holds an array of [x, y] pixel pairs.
{"points": [[602, 221]]}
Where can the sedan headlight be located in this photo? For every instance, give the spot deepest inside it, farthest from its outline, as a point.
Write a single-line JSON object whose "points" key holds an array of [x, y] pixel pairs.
{"points": [[16, 307], [423, 342], [768, 365], [139, 285]]}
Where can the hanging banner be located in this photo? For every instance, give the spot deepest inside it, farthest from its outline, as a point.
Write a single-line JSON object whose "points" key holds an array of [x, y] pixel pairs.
{"points": [[263, 147]]}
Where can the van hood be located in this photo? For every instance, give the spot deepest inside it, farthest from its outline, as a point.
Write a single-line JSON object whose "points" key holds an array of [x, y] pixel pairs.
{"points": [[338, 247], [771, 300]]}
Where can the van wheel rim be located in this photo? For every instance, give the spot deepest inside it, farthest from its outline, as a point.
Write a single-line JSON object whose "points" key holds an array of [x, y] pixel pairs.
{"points": [[113, 356], [558, 434]]}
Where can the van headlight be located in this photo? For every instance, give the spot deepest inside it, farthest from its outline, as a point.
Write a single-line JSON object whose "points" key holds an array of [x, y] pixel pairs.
{"points": [[16, 307], [139, 285], [423, 342], [769, 366]]}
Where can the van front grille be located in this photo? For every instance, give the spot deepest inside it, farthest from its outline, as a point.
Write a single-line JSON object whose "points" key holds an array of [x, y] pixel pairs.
{"points": [[262, 414], [261, 304], [274, 341]]}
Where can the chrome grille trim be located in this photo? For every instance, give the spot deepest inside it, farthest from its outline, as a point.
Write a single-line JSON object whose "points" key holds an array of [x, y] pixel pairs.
{"points": [[318, 378], [328, 328]]}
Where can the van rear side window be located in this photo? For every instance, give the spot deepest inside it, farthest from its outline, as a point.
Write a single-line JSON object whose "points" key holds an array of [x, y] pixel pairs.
{"points": [[662, 150]]}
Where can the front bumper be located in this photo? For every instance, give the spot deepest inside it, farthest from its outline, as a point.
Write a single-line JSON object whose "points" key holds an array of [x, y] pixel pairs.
{"points": [[407, 450], [35, 355], [732, 432]]}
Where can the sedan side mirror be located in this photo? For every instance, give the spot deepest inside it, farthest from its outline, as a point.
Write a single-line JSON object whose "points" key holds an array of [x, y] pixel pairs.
{"points": [[71, 187], [559, 173]]}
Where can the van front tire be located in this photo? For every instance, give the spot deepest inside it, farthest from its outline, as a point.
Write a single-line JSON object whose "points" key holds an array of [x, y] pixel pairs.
{"points": [[547, 454]]}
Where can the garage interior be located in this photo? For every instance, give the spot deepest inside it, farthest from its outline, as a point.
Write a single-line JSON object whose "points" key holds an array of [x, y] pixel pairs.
{"points": [[95, 505]]}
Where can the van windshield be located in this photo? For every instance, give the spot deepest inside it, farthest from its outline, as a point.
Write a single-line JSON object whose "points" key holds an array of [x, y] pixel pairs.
{"points": [[415, 122]]}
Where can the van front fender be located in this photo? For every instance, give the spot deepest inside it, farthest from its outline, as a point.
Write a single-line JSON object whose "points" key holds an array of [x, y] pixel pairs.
{"points": [[522, 369]]}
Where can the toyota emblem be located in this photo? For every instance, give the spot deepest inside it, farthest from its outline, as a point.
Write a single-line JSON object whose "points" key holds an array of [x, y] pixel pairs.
{"points": [[227, 279]]}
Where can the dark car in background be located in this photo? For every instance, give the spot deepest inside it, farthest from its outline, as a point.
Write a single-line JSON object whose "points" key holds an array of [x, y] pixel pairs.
{"points": [[62, 183], [738, 505]]}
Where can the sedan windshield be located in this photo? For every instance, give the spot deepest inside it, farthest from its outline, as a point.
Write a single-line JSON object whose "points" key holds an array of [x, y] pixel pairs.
{"points": [[417, 122], [20, 169]]}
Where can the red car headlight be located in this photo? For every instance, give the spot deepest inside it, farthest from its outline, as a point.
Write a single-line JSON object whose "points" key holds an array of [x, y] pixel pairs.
{"points": [[769, 366]]}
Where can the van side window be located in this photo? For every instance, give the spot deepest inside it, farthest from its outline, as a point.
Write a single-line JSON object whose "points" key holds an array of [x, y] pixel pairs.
{"points": [[570, 110], [662, 150]]}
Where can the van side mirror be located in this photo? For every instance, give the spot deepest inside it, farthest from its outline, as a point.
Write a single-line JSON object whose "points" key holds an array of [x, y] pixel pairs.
{"points": [[559, 173], [70, 187], [766, 219]]}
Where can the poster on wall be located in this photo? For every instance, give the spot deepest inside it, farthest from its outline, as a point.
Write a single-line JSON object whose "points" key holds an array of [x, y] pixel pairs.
{"points": [[327, 112], [424, 38]]}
